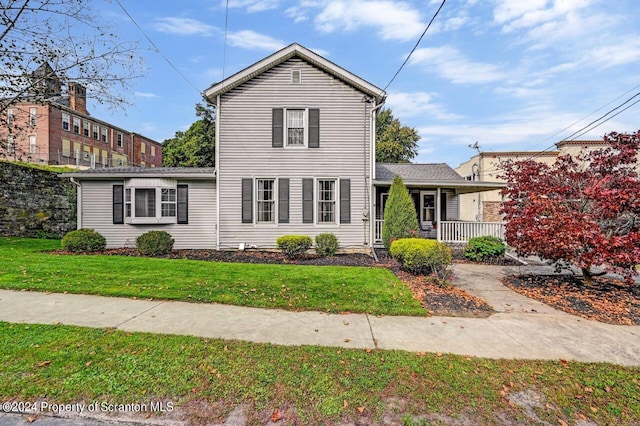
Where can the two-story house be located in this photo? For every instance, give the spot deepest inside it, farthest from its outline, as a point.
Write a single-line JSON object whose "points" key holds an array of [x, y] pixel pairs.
{"points": [[294, 155], [55, 127]]}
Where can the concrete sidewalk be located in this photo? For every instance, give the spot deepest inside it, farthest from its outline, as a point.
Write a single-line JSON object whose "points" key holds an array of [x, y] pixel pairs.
{"points": [[521, 328]]}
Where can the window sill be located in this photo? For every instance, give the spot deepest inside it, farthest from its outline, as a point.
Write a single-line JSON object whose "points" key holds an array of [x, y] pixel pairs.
{"points": [[150, 220]]}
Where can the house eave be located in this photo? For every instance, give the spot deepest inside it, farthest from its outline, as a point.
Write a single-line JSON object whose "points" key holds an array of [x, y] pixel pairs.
{"points": [[294, 50], [461, 187], [152, 173]]}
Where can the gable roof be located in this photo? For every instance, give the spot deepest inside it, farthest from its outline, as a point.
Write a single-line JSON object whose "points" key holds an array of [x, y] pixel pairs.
{"points": [[291, 51]]}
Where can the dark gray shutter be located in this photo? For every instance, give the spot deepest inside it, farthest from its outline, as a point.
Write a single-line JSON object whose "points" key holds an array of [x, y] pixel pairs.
{"points": [[283, 200], [277, 132], [307, 200], [247, 200], [183, 204], [345, 200], [443, 206], [118, 203], [314, 128]]}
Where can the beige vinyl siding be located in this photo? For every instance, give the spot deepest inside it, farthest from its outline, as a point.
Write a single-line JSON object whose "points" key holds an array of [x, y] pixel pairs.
{"points": [[200, 232], [245, 151], [452, 204]]}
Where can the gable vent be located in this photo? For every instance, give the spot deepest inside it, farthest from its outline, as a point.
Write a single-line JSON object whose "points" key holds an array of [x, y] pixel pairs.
{"points": [[295, 77]]}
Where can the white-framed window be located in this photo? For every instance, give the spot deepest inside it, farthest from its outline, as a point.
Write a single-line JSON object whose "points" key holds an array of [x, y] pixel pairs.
{"points": [[104, 134], [66, 119], [145, 202], [33, 113], [168, 200], [11, 145], [127, 202], [76, 125], [95, 131], [119, 138], [10, 117], [33, 148], [86, 128], [326, 200], [265, 200], [295, 125]]}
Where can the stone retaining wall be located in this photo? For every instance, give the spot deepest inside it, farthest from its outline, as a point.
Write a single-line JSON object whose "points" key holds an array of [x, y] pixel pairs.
{"points": [[35, 203]]}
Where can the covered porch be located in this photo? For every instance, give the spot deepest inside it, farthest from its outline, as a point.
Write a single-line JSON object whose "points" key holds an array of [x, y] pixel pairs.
{"points": [[434, 189]]}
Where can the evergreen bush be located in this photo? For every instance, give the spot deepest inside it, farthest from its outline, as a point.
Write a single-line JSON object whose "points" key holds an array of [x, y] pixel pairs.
{"points": [[481, 248], [154, 243], [400, 218], [421, 257], [84, 240], [326, 244], [294, 246]]}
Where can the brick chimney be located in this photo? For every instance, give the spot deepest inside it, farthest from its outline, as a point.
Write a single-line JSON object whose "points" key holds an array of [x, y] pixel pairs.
{"points": [[78, 98]]}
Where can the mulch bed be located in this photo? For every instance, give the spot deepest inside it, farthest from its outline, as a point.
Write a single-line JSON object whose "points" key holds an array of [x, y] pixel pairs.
{"points": [[607, 300]]}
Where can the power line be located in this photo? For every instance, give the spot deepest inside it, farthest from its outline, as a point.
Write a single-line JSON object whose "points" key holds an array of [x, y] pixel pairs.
{"points": [[158, 49], [415, 47]]}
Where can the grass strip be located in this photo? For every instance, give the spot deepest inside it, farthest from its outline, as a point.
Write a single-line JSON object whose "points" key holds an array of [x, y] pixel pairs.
{"points": [[293, 287], [308, 385]]}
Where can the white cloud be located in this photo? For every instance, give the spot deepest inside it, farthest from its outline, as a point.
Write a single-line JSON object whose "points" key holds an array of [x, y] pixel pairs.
{"points": [[449, 63], [417, 104], [248, 39], [253, 5], [393, 20], [145, 95], [184, 26]]}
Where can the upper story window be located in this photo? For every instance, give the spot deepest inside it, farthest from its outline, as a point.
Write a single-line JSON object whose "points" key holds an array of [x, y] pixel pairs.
{"points": [[295, 127], [104, 134], [66, 118], [120, 139], [33, 147], [33, 112], [326, 201], [266, 201], [76, 125], [86, 128], [153, 151], [11, 145], [10, 117]]}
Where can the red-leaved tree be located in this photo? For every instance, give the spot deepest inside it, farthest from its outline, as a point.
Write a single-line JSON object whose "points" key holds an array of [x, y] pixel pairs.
{"points": [[582, 211]]}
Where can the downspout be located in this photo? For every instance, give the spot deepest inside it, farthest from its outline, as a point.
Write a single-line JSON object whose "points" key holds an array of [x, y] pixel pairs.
{"points": [[78, 203], [372, 170], [217, 171]]}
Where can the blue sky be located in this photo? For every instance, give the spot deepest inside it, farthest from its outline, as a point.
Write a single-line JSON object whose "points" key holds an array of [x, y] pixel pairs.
{"points": [[510, 74]]}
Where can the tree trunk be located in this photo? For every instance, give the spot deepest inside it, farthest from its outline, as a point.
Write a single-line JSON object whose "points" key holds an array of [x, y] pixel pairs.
{"points": [[587, 277]]}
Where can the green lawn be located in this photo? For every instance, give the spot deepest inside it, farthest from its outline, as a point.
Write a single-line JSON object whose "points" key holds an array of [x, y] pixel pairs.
{"points": [[293, 287], [309, 385]]}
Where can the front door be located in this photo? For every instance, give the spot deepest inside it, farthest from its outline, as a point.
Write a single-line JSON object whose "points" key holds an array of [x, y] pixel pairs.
{"points": [[427, 209]]}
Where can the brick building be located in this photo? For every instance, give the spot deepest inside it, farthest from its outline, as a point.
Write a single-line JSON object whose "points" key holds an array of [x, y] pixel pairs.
{"points": [[61, 131]]}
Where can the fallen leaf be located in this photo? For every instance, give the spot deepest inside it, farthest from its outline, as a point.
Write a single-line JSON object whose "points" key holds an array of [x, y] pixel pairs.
{"points": [[44, 363], [589, 390], [361, 410], [345, 403], [347, 340], [88, 364], [564, 362], [562, 422], [582, 416], [276, 416], [594, 409], [368, 350], [31, 419]]}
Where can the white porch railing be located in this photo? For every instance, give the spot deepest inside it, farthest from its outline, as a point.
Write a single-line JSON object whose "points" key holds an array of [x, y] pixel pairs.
{"points": [[460, 232], [457, 231]]}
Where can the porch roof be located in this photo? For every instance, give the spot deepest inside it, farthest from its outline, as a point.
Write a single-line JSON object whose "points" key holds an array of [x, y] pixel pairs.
{"points": [[433, 175]]}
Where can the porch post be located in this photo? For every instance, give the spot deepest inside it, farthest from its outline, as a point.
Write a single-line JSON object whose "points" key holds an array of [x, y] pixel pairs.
{"points": [[438, 216]]}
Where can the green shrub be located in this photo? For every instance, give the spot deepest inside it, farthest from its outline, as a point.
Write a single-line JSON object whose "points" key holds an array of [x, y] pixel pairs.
{"points": [[294, 246], [400, 218], [83, 241], [326, 244], [421, 257], [481, 248], [154, 243]]}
